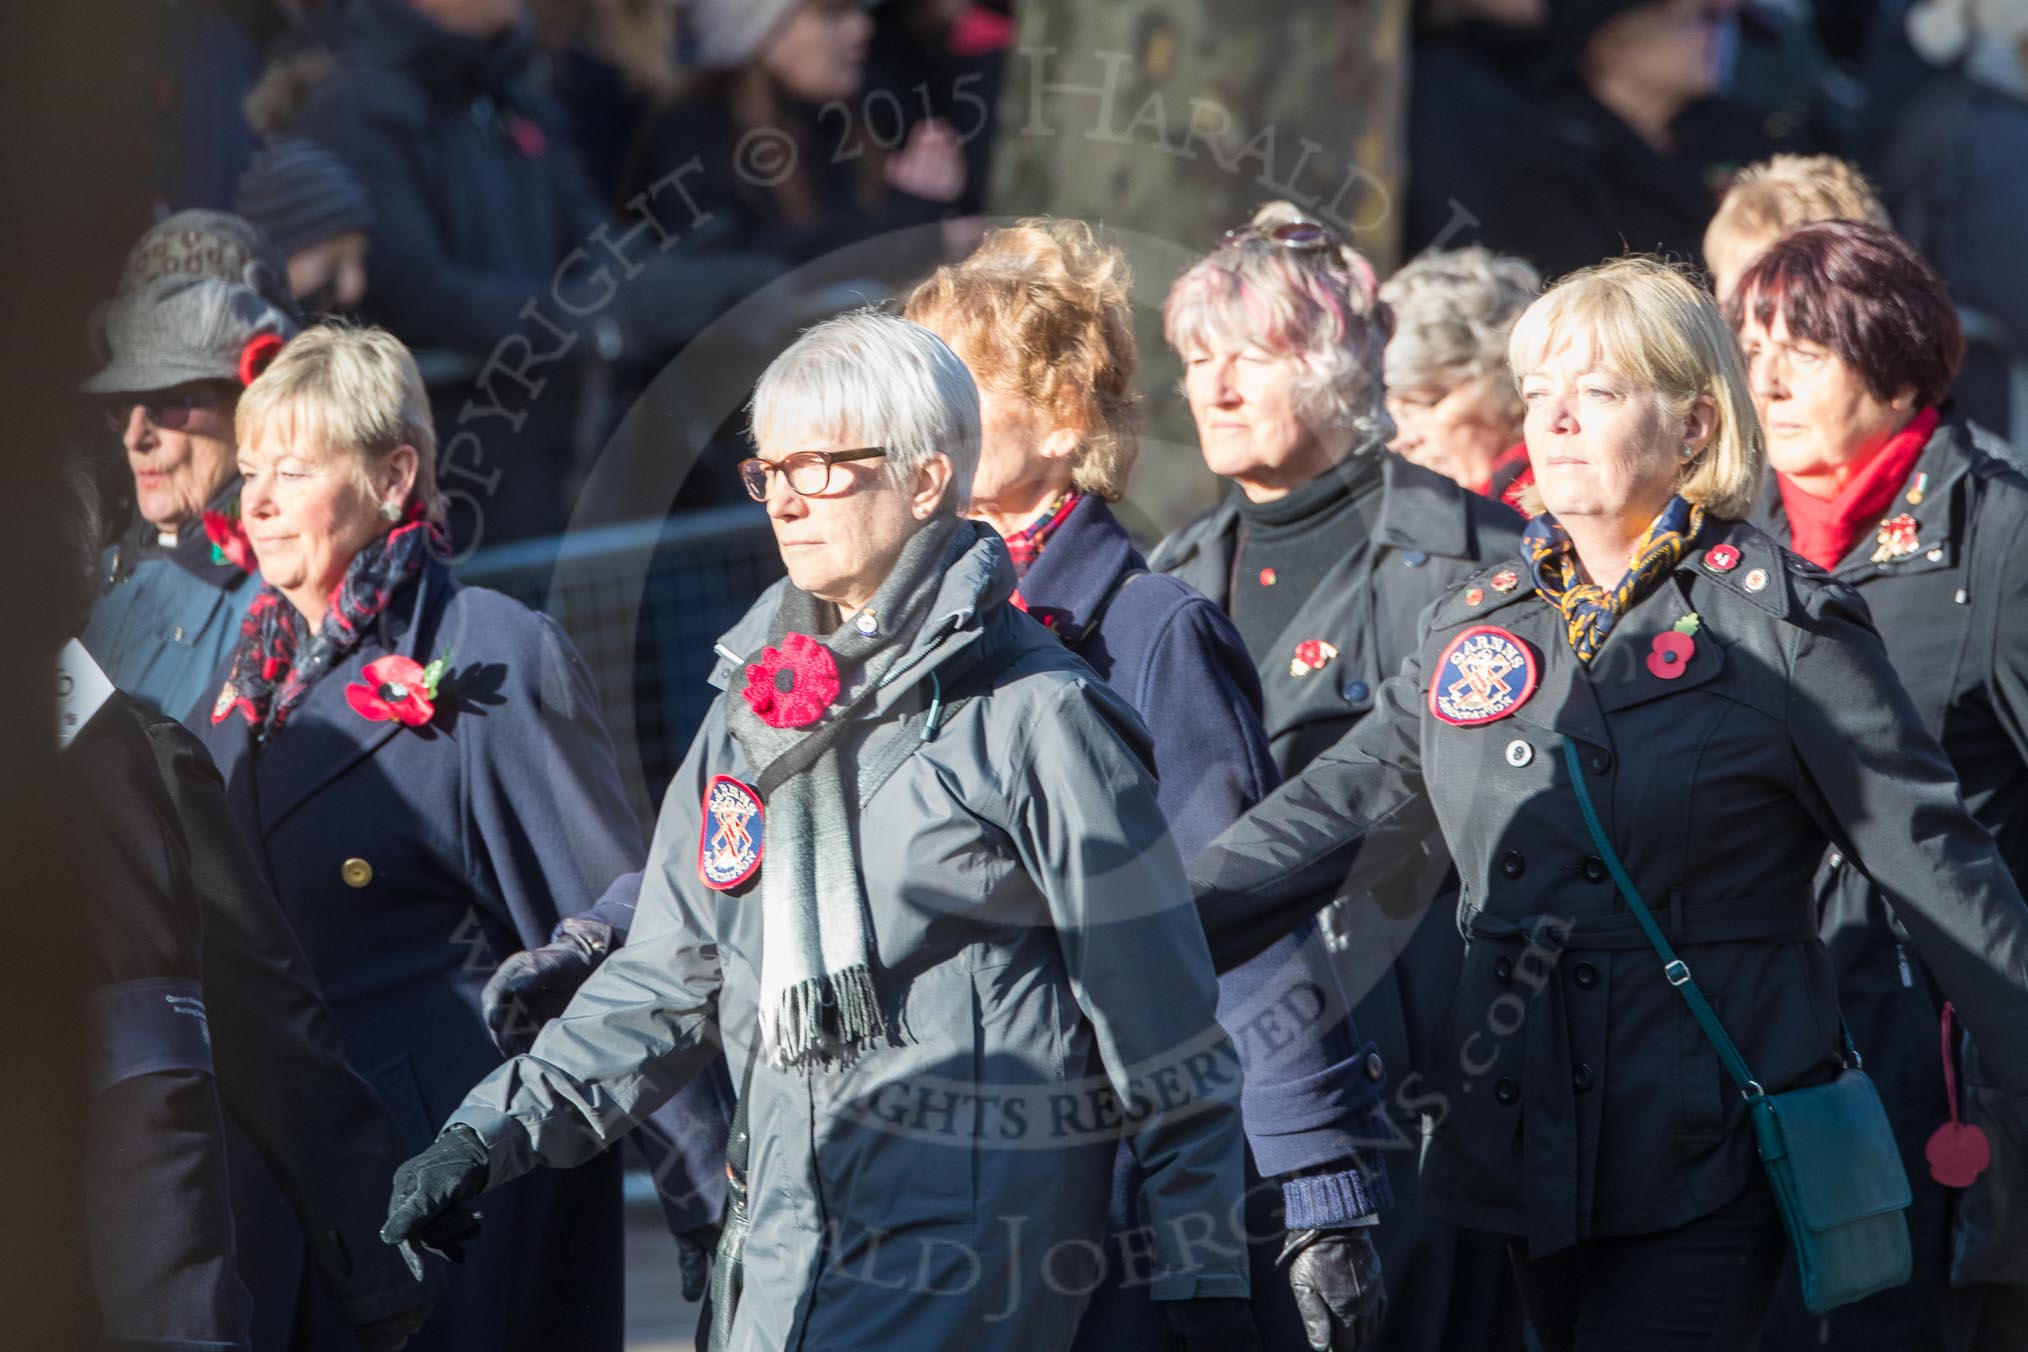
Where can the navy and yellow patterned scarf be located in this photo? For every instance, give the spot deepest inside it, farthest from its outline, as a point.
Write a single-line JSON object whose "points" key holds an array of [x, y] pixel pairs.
{"points": [[1589, 610]]}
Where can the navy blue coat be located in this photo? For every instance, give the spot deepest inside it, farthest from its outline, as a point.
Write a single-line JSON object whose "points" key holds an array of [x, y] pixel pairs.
{"points": [[1309, 1101], [410, 861]]}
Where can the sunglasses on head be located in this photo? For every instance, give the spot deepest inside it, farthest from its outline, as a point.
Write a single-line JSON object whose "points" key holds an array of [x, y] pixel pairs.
{"points": [[1295, 235]]}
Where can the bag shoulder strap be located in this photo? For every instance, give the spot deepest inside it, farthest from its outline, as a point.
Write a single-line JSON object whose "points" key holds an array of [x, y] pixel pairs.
{"points": [[1673, 967]]}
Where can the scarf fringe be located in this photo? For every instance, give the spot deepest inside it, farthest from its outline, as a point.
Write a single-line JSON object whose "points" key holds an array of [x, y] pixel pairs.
{"points": [[823, 1019]]}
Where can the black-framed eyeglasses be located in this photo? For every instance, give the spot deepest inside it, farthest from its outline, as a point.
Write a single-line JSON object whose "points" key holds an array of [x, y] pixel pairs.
{"points": [[808, 472], [1300, 236], [167, 413]]}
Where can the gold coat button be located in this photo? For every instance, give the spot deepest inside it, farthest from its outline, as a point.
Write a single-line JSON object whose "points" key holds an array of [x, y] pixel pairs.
{"points": [[356, 872]]}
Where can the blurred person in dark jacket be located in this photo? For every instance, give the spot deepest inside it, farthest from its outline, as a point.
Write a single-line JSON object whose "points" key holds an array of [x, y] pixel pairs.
{"points": [[202, 996], [493, 254], [307, 204], [794, 150], [1951, 178]]}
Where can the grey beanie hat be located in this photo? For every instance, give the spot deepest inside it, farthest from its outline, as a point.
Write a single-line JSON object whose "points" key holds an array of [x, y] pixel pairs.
{"points": [[199, 243], [179, 329], [298, 193], [725, 34]]}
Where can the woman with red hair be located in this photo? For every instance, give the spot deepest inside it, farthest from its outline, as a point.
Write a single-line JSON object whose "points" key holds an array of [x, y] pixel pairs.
{"points": [[1852, 346]]}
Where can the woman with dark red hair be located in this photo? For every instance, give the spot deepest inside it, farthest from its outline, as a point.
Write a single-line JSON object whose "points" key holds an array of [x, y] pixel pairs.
{"points": [[1852, 345]]}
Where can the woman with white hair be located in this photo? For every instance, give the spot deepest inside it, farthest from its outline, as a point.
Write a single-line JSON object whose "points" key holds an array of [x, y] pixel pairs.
{"points": [[1453, 401], [914, 877], [1324, 555], [1638, 736]]}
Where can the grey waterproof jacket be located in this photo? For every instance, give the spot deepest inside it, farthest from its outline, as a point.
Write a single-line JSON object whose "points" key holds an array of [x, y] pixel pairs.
{"points": [[1046, 985]]}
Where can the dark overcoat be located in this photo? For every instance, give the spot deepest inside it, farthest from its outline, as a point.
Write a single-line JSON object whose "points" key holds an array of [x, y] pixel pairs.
{"points": [[410, 861], [1396, 962], [1953, 614], [1572, 1094], [1309, 1101]]}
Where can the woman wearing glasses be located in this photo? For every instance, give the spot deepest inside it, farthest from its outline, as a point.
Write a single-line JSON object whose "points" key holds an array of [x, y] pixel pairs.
{"points": [[914, 878], [178, 580], [1324, 554]]}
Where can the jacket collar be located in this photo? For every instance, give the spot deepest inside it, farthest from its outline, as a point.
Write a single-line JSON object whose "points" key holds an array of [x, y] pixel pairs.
{"points": [[193, 551], [1929, 498], [324, 737], [981, 581], [1082, 564]]}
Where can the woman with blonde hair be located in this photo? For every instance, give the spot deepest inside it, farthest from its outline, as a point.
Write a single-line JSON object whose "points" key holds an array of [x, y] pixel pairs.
{"points": [[1652, 680], [422, 773], [1041, 316]]}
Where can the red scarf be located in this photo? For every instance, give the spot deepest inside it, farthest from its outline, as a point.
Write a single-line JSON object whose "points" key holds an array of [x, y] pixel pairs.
{"points": [[1823, 530]]}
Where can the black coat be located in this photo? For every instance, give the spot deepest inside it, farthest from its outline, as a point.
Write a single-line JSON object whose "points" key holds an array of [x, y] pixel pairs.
{"points": [[1954, 618], [410, 861], [1395, 957], [178, 905], [1572, 1093]]}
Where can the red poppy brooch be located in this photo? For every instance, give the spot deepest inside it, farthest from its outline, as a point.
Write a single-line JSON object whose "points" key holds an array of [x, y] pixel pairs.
{"points": [[1669, 655], [397, 689], [791, 686], [228, 540]]}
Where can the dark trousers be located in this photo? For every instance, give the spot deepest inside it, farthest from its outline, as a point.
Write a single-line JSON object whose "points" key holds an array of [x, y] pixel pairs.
{"points": [[1703, 1287]]}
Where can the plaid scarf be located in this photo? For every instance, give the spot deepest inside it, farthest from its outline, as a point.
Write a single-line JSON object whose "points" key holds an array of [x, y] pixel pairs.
{"points": [[1589, 610], [274, 665], [1025, 545]]}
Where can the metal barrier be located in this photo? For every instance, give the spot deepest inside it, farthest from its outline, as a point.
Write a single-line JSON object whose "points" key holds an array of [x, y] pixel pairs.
{"points": [[643, 602]]}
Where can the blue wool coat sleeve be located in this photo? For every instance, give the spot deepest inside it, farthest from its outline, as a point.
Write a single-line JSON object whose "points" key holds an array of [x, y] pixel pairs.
{"points": [[1309, 1104]]}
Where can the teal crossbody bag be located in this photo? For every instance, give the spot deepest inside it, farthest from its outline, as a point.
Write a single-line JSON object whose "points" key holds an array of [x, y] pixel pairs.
{"points": [[1828, 1149]]}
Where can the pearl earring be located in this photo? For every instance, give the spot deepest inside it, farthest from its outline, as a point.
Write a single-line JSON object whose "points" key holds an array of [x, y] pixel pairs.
{"points": [[391, 511], [1689, 452]]}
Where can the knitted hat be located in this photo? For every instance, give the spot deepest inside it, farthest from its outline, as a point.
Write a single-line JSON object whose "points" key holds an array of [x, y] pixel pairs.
{"points": [[179, 329], [200, 243], [298, 194], [725, 34]]}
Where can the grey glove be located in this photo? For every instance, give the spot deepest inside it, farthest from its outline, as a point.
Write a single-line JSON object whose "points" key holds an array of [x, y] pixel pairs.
{"points": [[532, 987], [1335, 1275], [1211, 1324], [425, 1211]]}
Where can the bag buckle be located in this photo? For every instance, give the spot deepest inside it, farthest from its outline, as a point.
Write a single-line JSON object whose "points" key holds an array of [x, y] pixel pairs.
{"points": [[1677, 971], [1752, 1091]]}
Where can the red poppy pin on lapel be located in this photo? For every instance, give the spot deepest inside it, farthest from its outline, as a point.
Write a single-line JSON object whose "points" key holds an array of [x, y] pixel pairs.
{"points": [[1312, 654], [791, 686], [1897, 539], [1669, 655], [1721, 558], [397, 689]]}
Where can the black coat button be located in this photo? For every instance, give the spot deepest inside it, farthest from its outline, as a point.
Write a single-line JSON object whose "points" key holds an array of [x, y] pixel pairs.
{"points": [[1505, 1091], [1503, 971], [1512, 865], [1357, 691], [1585, 975], [1601, 761], [1415, 558], [1594, 869], [1581, 1078], [1374, 1068]]}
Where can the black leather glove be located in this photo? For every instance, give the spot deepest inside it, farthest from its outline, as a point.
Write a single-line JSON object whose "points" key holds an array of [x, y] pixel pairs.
{"points": [[531, 987], [392, 1333], [424, 1212], [694, 1252], [1335, 1275], [1211, 1324]]}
